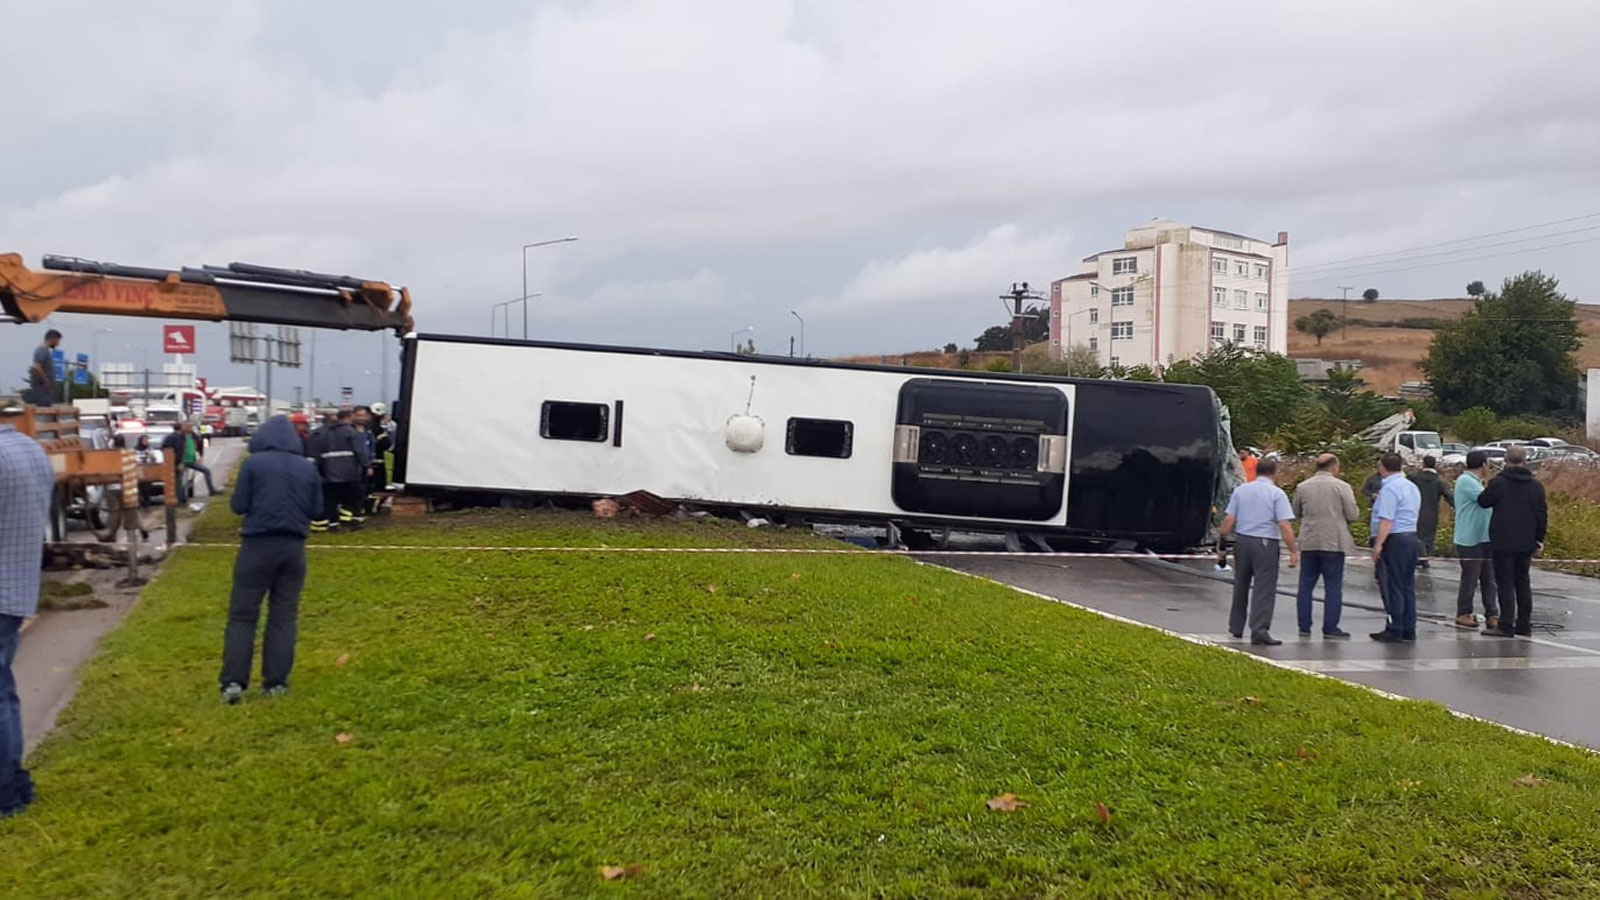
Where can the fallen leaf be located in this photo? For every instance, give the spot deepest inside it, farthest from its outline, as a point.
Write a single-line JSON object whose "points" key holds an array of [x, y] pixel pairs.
{"points": [[588, 628], [343, 658], [794, 576], [1528, 780], [911, 600], [1303, 753], [344, 737], [1472, 861], [650, 637], [612, 873], [1250, 700], [1407, 784], [1103, 813], [711, 589], [1006, 802]]}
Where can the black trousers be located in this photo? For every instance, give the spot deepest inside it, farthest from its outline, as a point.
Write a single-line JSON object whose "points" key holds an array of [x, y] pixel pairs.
{"points": [[274, 567], [346, 495], [1512, 581]]}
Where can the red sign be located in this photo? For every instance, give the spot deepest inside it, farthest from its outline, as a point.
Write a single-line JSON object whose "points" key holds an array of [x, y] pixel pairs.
{"points": [[177, 339]]}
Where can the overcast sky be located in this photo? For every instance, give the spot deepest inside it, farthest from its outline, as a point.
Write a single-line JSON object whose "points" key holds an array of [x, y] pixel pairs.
{"points": [[883, 168]]}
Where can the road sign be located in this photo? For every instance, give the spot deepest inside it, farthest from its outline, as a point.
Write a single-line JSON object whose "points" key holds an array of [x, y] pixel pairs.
{"points": [[177, 339], [60, 360], [80, 373]]}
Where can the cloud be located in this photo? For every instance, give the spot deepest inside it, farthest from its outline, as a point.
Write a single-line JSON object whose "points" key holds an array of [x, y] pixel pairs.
{"points": [[941, 280], [704, 290]]}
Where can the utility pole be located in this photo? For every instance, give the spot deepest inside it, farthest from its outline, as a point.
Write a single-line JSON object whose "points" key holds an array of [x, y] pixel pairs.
{"points": [[1344, 312], [1016, 296]]}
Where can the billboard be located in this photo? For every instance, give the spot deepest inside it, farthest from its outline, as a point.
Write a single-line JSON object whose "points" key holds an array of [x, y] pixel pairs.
{"points": [[177, 339]]}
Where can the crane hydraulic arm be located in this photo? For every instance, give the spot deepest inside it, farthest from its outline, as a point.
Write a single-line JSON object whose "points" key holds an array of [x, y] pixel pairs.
{"points": [[240, 292]]}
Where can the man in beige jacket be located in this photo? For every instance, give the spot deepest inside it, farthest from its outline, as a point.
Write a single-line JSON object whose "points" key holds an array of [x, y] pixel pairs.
{"points": [[1325, 506]]}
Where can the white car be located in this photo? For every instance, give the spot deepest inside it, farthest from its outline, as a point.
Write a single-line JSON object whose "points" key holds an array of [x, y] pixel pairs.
{"points": [[1547, 442]]}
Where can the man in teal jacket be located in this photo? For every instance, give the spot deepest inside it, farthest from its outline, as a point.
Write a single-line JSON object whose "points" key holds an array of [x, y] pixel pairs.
{"points": [[1472, 544]]}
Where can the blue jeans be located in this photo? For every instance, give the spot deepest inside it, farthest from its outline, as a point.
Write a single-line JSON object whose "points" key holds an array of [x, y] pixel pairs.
{"points": [[1329, 566], [16, 787], [1400, 552]]}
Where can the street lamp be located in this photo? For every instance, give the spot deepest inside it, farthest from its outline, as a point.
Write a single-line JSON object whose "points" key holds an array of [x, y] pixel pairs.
{"points": [[1070, 345], [802, 334], [525, 248], [507, 307], [732, 338]]}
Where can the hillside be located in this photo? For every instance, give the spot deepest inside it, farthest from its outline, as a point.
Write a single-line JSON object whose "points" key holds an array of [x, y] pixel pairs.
{"points": [[1391, 354]]}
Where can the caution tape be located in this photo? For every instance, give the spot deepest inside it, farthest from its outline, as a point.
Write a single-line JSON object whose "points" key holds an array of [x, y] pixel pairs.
{"points": [[802, 551]]}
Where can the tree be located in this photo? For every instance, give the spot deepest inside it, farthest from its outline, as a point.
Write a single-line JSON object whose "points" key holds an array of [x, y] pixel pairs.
{"points": [[1370, 295], [1512, 353], [1319, 323], [1476, 425], [995, 337], [1475, 289], [1347, 405], [1081, 361], [950, 347], [1262, 390]]}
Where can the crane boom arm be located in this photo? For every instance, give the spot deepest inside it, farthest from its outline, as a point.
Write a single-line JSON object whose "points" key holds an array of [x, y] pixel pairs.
{"points": [[239, 292]]}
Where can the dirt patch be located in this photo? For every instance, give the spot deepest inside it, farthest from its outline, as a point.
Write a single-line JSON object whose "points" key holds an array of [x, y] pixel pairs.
{"points": [[1390, 355]]}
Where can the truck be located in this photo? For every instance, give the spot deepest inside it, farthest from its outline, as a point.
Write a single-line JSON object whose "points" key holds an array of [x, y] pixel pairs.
{"points": [[1395, 435]]}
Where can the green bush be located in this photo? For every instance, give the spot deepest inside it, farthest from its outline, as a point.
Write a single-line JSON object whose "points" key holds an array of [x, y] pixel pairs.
{"points": [[998, 365], [1476, 426]]}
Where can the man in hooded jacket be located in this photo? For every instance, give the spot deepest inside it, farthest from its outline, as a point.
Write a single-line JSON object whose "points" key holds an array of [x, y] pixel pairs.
{"points": [[1516, 533], [1433, 489], [277, 492]]}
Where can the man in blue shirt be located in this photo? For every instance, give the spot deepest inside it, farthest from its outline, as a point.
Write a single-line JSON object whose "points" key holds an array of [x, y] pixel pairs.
{"points": [[1259, 512], [26, 483], [1472, 545], [1395, 547]]}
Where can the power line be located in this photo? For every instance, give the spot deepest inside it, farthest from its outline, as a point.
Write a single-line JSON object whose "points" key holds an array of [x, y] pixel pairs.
{"points": [[1354, 270], [1450, 262], [1333, 262]]}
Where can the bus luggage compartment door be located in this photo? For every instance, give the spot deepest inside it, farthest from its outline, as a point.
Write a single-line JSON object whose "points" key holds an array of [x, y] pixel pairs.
{"points": [[985, 449]]}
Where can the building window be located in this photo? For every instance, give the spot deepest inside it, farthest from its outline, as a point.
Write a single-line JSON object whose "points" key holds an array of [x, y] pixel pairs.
{"points": [[1238, 334], [1122, 331], [1241, 268], [1261, 270], [1125, 265], [1219, 297], [1228, 240], [1116, 361], [562, 420], [820, 437], [1241, 300], [1261, 300], [1219, 332], [1094, 289], [1094, 315], [1122, 296], [1260, 334], [1219, 265], [1094, 346]]}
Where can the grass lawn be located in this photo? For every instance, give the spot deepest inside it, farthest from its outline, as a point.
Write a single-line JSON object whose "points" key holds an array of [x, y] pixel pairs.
{"points": [[753, 726]]}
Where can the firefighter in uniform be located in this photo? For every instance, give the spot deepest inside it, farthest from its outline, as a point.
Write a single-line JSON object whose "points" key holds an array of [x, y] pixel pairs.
{"points": [[342, 460]]}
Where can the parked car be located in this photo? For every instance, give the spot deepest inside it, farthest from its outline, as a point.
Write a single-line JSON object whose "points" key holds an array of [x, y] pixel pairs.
{"points": [[1497, 455], [1453, 447], [1547, 442], [1574, 453]]}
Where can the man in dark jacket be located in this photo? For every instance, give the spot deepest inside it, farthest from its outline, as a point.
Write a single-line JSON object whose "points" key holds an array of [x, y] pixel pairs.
{"points": [[1516, 533], [342, 459], [1433, 489], [277, 492]]}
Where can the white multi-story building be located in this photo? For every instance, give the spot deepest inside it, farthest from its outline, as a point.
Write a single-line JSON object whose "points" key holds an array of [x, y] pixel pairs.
{"points": [[1172, 292]]}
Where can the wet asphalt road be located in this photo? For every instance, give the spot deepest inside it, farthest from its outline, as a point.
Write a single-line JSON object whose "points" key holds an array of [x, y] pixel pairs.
{"points": [[1549, 683]]}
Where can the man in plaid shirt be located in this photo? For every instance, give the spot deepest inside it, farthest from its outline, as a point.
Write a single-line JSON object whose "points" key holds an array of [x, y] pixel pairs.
{"points": [[25, 485]]}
